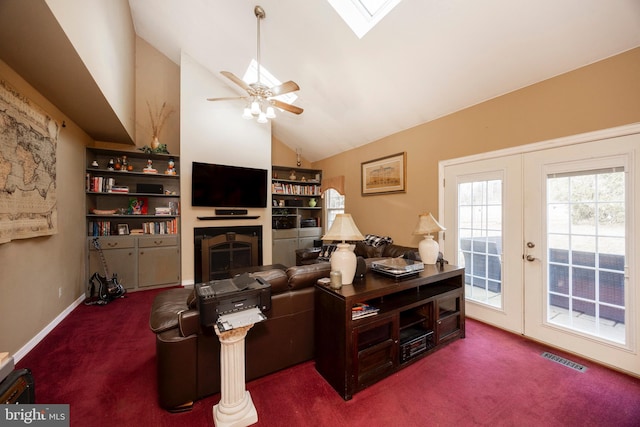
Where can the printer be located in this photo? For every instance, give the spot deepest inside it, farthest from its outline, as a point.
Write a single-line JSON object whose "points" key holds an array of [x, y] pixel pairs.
{"points": [[233, 303]]}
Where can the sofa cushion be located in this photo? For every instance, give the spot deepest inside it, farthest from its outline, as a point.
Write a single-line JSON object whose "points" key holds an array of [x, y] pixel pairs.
{"points": [[368, 251], [307, 275], [395, 251], [165, 308]]}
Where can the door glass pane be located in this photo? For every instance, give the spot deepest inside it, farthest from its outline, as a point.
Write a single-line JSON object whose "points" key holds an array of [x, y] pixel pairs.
{"points": [[586, 252], [480, 240]]}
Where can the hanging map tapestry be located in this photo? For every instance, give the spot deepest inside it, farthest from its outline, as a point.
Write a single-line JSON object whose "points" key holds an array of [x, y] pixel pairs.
{"points": [[28, 139]]}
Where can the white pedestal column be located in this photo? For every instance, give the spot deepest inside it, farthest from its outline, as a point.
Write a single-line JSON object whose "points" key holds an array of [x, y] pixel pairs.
{"points": [[235, 408]]}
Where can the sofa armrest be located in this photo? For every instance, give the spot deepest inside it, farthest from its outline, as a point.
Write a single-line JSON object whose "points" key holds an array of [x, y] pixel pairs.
{"points": [[307, 275], [165, 308], [307, 255], [189, 322]]}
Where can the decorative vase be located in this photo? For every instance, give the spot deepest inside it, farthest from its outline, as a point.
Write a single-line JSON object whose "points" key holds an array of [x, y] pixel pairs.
{"points": [[312, 203], [292, 176], [155, 143], [428, 249]]}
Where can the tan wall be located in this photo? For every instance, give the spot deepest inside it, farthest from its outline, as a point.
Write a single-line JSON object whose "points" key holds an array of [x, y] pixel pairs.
{"points": [[599, 96], [157, 81], [33, 270], [282, 155]]}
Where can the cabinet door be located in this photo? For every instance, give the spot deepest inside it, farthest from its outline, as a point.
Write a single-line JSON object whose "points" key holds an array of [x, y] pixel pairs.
{"points": [[284, 252], [449, 319], [376, 347], [119, 255], [158, 265]]}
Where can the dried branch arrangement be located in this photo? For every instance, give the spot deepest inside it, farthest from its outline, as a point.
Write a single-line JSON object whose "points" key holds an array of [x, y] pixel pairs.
{"points": [[158, 118]]}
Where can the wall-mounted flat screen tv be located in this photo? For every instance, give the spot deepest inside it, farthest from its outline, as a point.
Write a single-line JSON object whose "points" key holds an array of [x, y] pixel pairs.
{"points": [[226, 186]]}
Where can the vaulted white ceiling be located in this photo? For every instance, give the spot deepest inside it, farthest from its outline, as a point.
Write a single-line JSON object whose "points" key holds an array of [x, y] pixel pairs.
{"points": [[424, 60]]}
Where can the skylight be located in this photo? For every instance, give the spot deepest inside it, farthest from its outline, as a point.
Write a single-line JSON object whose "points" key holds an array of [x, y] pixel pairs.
{"points": [[266, 78], [363, 15]]}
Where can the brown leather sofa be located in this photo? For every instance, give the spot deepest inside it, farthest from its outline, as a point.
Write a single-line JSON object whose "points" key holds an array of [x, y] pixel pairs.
{"points": [[188, 355], [309, 256]]}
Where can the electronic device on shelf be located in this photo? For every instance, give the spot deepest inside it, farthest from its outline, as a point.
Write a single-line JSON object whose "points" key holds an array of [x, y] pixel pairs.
{"points": [[397, 267]]}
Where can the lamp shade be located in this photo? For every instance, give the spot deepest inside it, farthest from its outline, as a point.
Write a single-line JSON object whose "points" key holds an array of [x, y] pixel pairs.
{"points": [[343, 228], [427, 224], [344, 260], [428, 248]]}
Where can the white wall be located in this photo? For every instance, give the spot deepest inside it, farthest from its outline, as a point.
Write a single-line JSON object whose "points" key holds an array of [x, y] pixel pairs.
{"points": [[102, 32], [215, 132]]}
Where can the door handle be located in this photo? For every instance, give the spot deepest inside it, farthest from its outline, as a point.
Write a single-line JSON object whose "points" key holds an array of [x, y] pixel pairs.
{"points": [[529, 257]]}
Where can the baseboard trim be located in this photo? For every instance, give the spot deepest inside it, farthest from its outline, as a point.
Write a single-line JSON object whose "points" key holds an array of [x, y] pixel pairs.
{"points": [[43, 333]]}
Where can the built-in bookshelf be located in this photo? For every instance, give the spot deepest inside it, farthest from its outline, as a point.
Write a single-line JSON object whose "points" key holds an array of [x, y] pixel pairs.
{"points": [[296, 212], [133, 208]]}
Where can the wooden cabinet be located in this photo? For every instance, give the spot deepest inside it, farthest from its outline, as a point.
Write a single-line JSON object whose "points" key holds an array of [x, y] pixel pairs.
{"points": [[296, 213], [119, 255], [416, 316], [158, 260], [135, 214]]}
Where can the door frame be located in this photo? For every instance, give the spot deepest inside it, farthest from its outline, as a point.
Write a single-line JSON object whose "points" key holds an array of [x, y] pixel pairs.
{"points": [[633, 265]]}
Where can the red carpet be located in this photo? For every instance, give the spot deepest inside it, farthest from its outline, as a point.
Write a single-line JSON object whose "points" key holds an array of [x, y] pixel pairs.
{"points": [[100, 360]]}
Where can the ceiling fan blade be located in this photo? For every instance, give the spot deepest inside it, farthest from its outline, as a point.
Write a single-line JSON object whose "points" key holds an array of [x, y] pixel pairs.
{"points": [[287, 107], [236, 80], [227, 98], [285, 87]]}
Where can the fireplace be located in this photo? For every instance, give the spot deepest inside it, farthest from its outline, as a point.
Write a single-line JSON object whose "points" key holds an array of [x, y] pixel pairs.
{"points": [[220, 249]]}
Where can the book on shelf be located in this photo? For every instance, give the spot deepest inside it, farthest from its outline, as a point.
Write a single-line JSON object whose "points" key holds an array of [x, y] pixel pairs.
{"points": [[360, 310]]}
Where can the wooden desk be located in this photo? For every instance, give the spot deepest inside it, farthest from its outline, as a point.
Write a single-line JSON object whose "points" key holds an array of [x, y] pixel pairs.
{"points": [[417, 315]]}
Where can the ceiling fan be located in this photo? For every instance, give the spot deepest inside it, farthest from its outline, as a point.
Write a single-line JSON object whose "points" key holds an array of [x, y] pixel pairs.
{"points": [[260, 96]]}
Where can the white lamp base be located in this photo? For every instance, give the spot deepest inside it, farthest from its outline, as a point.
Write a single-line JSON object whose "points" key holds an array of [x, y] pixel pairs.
{"points": [[344, 260], [428, 249]]}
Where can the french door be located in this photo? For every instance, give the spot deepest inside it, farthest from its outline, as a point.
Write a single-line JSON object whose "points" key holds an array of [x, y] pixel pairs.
{"points": [[483, 199], [549, 239]]}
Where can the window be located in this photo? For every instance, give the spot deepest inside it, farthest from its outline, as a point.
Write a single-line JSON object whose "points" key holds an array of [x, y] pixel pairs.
{"points": [[480, 231], [334, 205], [363, 15]]}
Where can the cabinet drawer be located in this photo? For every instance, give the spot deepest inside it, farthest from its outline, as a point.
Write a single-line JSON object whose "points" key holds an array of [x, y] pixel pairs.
{"points": [[311, 232], [286, 234], [157, 241], [113, 243]]}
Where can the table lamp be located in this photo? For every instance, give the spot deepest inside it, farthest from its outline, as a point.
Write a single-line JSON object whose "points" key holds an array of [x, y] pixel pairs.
{"points": [[343, 259], [428, 248]]}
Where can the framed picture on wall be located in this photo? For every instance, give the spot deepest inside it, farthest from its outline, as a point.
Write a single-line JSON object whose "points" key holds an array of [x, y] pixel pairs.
{"points": [[384, 175]]}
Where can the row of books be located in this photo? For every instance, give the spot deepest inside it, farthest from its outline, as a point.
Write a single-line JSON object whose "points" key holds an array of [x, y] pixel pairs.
{"points": [[104, 228], [101, 184], [360, 310], [100, 228], [160, 227], [295, 189]]}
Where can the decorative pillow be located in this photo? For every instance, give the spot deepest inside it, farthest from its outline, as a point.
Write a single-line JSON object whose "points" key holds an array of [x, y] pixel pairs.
{"points": [[326, 251], [375, 241]]}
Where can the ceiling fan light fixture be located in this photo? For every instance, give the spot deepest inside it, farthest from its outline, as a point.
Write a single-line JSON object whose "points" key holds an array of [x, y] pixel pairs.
{"points": [[271, 113], [255, 107], [262, 98]]}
